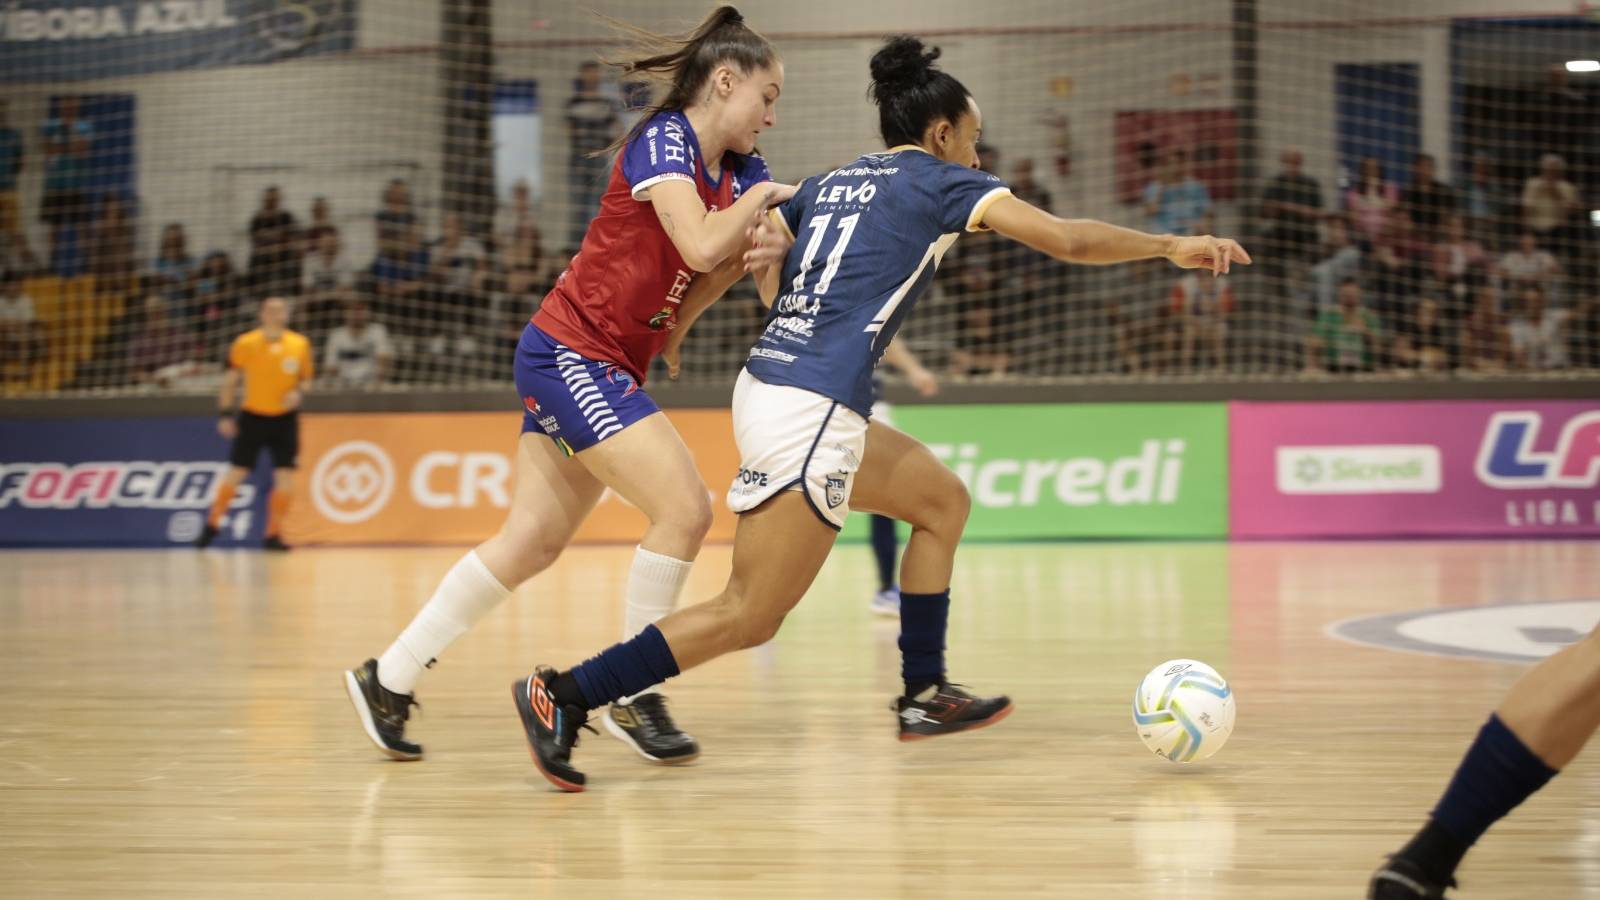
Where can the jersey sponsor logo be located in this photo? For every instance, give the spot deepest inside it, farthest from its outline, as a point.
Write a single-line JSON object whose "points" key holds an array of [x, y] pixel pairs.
{"points": [[847, 193], [352, 482], [673, 147], [663, 319], [794, 325], [1506, 458], [531, 405], [751, 477], [291, 365], [121, 484], [775, 355]]}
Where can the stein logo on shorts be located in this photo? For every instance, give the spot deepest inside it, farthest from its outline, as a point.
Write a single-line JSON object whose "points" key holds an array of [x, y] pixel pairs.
{"points": [[835, 490], [352, 482]]}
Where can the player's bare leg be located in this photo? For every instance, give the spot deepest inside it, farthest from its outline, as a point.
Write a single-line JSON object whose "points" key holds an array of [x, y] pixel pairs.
{"points": [[649, 466], [902, 479], [552, 497], [1540, 726], [778, 549]]}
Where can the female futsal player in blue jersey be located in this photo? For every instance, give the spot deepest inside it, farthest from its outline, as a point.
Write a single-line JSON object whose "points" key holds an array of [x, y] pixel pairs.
{"points": [[866, 240], [682, 196]]}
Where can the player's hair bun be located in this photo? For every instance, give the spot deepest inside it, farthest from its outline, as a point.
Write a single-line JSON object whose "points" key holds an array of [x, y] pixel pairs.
{"points": [[901, 64]]}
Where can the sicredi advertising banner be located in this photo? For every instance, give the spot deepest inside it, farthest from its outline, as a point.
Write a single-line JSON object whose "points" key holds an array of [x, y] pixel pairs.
{"points": [[1391, 469], [1040, 472], [448, 478], [119, 483]]}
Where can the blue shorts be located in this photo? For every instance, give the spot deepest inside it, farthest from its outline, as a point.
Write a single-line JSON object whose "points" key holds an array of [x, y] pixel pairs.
{"points": [[577, 401]]}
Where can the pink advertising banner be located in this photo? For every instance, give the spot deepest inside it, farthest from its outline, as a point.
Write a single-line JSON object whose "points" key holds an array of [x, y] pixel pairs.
{"points": [[1401, 469]]}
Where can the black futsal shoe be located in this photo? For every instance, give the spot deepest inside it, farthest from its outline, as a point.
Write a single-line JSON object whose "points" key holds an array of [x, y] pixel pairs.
{"points": [[552, 729], [274, 544], [946, 709], [647, 727], [207, 535], [383, 713], [1401, 879]]}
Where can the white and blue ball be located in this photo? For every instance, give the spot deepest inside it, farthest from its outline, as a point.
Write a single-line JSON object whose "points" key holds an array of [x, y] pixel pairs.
{"points": [[1184, 710]]}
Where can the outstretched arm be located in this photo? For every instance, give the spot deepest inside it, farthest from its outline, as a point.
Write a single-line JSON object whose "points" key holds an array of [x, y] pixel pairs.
{"points": [[1099, 243]]}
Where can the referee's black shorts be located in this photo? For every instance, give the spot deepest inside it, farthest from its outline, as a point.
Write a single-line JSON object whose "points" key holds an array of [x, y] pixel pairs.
{"points": [[278, 435]]}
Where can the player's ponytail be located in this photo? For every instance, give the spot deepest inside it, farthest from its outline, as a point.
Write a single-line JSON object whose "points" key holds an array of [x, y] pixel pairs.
{"points": [[911, 92], [686, 62]]}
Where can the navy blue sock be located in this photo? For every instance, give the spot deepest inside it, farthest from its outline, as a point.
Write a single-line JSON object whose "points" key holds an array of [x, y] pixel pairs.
{"points": [[623, 669], [884, 544], [923, 619], [1497, 774]]}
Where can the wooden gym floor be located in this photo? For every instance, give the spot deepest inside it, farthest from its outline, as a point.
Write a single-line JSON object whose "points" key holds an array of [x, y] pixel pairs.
{"points": [[174, 726]]}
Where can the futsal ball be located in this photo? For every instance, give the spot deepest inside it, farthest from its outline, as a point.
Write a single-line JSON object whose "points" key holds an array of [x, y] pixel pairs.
{"points": [[1183, 710]]}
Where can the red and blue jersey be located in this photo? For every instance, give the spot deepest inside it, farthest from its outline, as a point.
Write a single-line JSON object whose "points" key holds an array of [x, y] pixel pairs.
{"points": [[619, 299]]}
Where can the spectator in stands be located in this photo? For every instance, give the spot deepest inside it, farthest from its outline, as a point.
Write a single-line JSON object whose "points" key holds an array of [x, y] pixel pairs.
{"points": [[15, 255], [1422, 340], [527, 273], [1200, 309], [400, 279], [1550, 208], [172, 273], [511, 216], [1427, 201], [1484, 201], [11, 158], [461, 265], [1291, 206], [1528, 265], [321, 220], [214, 308], [1176, 200], [326, 270], [326, 280], [274, 256], [1459, 264], [396, 221], [1370, 201], [594, 120], [1339, 260], [1538, 332], [161, 351], [1346, 339], [1483, 343], [111, 247], [1026, 187], [21, 339], [66, 202], [1401, 267], [358, 352], [982, 346]]}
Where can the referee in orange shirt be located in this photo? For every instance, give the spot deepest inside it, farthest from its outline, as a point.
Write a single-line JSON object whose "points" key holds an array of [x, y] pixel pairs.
{"points": [[275, 365]]}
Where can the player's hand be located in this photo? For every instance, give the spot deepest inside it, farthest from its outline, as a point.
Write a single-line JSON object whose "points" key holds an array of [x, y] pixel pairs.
{"points": [[777, 193], [671, 355], [1207, 252], [769, 244], [291, 401], [923, 381], [228, 427]]}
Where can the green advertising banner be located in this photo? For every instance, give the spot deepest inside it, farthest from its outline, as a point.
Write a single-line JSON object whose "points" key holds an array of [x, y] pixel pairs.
{"points": [[1040, 472]]}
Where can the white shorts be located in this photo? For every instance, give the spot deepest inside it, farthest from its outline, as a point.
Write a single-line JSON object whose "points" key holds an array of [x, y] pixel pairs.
{"points": [[793, 439]]}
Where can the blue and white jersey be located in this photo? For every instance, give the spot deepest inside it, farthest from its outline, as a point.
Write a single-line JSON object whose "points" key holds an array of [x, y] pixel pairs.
{"points": [[868, 238]]}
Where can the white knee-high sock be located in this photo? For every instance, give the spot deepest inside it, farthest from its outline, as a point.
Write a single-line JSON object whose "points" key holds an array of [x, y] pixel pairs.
{"points": [[654, 583], [468, 591]]}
